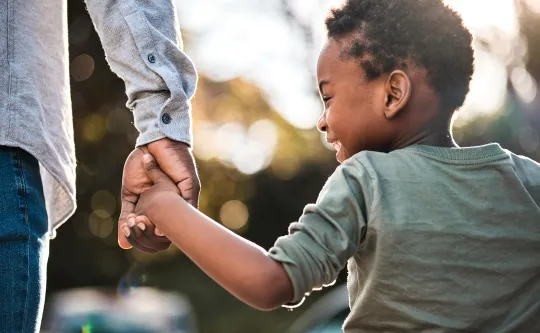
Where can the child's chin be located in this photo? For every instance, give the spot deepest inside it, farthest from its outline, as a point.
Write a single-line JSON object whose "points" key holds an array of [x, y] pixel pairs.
{"points": [[340, 157]]}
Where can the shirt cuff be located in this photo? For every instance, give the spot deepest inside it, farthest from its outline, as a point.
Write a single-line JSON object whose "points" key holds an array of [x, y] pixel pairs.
{"points": [[155, 122], [280, 253]]}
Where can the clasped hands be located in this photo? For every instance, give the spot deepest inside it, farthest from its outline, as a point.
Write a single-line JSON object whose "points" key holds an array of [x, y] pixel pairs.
{"points": [[170, 168]]}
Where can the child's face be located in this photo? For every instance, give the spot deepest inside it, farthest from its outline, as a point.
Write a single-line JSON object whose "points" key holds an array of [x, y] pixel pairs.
{"points": [[353, 117]]}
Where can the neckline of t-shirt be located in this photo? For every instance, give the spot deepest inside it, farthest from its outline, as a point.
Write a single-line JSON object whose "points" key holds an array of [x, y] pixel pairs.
{"points": [[474, 154]]}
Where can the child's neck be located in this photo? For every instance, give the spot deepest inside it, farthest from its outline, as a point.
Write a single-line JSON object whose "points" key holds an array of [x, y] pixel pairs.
{"points": [[426, 137], [434, 131]]}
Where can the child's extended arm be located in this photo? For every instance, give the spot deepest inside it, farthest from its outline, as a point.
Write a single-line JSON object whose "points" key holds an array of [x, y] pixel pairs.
{"points": [[240, 266]]}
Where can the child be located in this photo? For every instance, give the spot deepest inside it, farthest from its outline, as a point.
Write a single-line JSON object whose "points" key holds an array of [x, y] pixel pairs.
{"points": [[437, 238]]}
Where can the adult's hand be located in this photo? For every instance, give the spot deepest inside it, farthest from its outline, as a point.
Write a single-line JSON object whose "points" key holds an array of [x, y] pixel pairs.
{"points": [[176, 160]]}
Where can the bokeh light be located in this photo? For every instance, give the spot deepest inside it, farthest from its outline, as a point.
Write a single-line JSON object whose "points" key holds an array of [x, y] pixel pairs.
{"points": [[94, 128], [105, 201], [82, 67], [249, 150], [286, 165], [100, 224], [234, 215]]}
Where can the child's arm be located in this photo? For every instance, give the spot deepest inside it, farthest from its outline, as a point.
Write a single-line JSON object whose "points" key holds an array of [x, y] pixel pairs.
{"points": [[238, 265]]}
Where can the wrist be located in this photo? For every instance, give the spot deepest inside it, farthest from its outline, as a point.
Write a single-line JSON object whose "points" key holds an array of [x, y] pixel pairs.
{"points": [[155, 146], [160, 204]]}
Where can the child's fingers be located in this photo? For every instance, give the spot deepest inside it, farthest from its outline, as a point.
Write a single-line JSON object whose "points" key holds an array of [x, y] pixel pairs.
{"points": [[138, 228], [148, 228], [143, 223], [134, 238], [142, 231]]}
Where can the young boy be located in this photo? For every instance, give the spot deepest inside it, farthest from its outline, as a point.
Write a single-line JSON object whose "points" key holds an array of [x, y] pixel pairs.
{"points": [[437, 238]]}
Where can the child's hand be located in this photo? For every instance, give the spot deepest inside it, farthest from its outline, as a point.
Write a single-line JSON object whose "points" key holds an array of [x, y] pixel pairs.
{"points": [[140, 232]]}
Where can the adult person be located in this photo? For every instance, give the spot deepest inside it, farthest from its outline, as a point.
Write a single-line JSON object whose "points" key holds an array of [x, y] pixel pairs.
{"points": [[143, 46]]}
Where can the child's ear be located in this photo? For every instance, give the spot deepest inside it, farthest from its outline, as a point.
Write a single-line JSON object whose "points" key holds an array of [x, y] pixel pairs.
{"points": [[397, 93]]}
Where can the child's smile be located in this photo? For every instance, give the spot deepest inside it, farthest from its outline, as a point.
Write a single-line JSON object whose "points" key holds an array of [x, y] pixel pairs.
{"points": [[352, 117], [337, 145], [341, 155]]}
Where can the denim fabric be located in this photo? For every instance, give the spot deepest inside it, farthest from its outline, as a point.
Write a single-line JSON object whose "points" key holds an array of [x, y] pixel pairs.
{"points": [[24, 245]]}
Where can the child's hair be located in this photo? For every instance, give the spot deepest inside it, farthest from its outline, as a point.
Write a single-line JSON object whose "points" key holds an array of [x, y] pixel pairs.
{"points": [[389, 33]]}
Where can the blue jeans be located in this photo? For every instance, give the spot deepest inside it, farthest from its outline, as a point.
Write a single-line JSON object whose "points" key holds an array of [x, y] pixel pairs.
{"points": [[24, 244]]}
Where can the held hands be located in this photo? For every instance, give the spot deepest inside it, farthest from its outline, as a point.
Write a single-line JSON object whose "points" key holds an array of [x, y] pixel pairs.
{"points": [[163, 185], [139, 229], [177, 163]]}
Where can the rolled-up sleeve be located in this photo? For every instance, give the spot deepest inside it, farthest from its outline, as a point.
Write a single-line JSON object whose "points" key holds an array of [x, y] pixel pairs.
{"points": [[143, 46], [327, 234]]}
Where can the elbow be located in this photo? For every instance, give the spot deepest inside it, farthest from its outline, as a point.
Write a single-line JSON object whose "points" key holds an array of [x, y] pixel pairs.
{"points": [[276, 291], [269, 303]]}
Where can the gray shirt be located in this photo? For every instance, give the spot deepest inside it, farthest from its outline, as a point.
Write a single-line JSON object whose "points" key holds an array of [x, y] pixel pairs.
{"points": [[143, 46], [436, 240]]}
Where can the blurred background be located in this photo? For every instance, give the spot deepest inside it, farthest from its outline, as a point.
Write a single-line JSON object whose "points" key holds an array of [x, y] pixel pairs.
{"points": [[259, 155]]}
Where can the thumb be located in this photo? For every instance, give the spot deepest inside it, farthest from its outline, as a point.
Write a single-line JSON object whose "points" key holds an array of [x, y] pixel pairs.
{"points": [[153, 170]]}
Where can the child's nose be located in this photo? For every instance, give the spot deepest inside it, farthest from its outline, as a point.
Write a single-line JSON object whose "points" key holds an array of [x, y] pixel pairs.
{"points": [[321, 123]]}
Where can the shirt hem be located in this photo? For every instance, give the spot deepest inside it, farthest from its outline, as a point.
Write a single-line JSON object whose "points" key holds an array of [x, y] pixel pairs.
{"points": [[70, 195]]}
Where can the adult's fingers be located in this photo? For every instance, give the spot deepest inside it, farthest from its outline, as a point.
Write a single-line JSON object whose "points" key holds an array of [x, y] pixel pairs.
{"points": [[128, 208], [177, 162], [134, 182], [153, 170]]}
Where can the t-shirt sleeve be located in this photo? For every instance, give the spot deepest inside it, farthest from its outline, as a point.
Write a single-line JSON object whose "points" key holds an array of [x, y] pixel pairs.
{"points": [[327, 234]]}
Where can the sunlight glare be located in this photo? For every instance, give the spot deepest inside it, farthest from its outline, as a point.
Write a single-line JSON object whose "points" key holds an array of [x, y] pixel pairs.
{"points": [[479, 14]]}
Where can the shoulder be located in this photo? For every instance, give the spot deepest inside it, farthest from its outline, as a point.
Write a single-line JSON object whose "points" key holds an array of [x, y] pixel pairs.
{"points": [[353, 169], [351, 178], [526, 169], [393, 165]]}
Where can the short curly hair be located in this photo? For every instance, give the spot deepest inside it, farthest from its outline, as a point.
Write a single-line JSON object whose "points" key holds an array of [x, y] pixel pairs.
{"points": [[387, 34]]}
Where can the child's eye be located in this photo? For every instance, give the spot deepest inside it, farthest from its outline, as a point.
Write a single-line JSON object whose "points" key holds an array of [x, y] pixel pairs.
{"points": [[326, 99]]}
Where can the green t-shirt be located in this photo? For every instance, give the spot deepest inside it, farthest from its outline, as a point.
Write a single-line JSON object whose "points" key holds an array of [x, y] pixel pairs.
{"points": [[436, 240]]}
